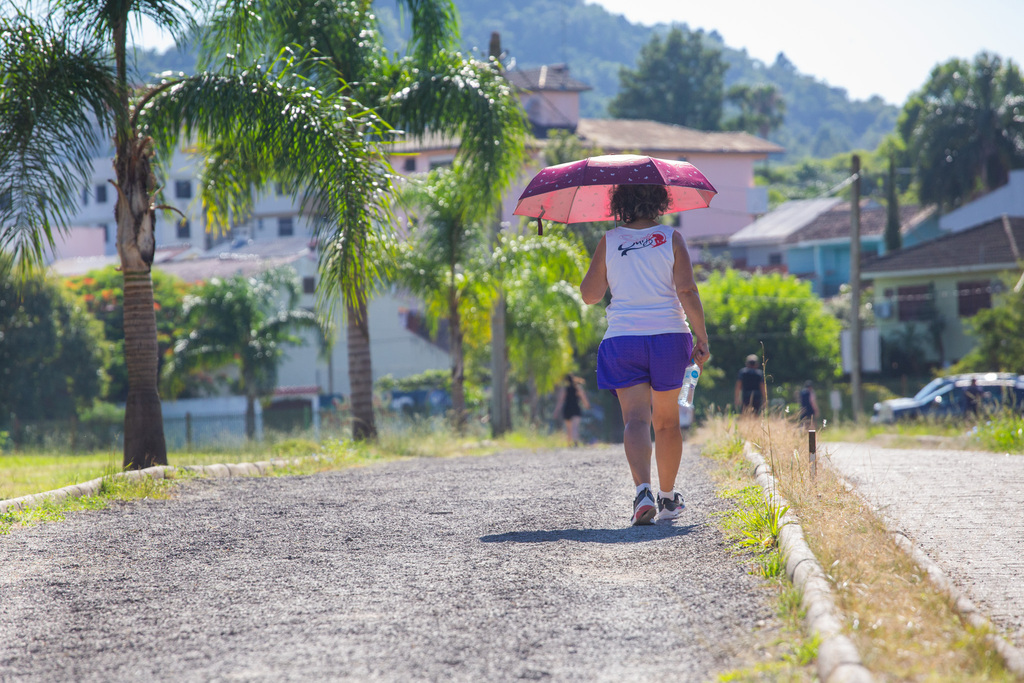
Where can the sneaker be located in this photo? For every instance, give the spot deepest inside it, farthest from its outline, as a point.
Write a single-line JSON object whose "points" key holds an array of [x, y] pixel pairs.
{"points": [[669, 508], [643, 508]]}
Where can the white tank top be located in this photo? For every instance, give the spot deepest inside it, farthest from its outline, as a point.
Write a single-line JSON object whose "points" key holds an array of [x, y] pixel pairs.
{"points": [[644, 300]]}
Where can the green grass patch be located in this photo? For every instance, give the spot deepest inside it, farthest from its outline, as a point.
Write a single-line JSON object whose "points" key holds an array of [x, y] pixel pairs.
{"points": [[111, 488], [1004, 433]]}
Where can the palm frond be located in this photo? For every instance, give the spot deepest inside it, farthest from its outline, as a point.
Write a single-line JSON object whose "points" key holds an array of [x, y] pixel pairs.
{"points": [[102, 17], [471, 101], [262, 129], [55, 99], [435, 27]]}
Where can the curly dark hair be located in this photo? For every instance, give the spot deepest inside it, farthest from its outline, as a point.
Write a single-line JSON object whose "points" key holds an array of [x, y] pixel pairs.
{"points": [[636, 202]]}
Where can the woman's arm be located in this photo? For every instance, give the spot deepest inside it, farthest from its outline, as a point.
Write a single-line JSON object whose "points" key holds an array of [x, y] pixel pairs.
{"points": [[689, 297], [595, 282]]}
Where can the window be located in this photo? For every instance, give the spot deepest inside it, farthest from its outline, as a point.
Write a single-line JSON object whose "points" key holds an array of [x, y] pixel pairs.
{"points": [[308, 285], [774, 259], [285, 228], [973, 296], [915, 302], [85, 196], [106, 232], [101, 193], [6, 200], [279, 189], [184, 230], [183, 189], [440, 163], [410, 164]]}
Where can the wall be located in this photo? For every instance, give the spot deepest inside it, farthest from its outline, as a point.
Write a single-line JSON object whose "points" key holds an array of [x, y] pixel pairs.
{"points": [[955, 338], [733, 176]]}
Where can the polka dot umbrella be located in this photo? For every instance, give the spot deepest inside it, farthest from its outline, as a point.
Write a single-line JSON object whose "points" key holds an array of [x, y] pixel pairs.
{"points": [[579, 191]]}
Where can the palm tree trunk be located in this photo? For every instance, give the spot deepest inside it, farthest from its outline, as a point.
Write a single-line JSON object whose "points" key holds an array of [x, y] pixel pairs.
{"points": [[501, 411], [534, 398], [250, 417], [144, 443], [458, 370], [360, 370]]}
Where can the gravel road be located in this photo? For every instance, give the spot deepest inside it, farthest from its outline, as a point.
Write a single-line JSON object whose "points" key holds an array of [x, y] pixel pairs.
{"points": [[511, 566]]}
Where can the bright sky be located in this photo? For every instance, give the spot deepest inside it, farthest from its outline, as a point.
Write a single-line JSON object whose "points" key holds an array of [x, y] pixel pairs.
{"points": [[868, 47]]}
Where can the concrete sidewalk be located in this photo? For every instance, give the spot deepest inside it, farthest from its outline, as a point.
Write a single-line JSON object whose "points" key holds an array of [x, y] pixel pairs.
{"points": [[963, 509]]}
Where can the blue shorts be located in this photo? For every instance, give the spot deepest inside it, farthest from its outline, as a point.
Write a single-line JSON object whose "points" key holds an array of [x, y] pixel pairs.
{"points": [[659, 360]]}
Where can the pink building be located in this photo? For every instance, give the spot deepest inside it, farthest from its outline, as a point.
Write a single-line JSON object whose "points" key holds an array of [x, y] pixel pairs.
{"points": [[550, 97]]}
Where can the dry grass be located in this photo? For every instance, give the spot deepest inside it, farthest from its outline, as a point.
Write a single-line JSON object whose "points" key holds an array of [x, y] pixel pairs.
{"points": [[783, 654], [904, 627]]}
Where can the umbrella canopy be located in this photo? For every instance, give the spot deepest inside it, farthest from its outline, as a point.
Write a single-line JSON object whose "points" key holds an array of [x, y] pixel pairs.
{"points": [[579, 190]]}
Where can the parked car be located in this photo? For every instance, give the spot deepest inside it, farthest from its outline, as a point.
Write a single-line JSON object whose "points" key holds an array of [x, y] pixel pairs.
{"points": [[948, 396]]}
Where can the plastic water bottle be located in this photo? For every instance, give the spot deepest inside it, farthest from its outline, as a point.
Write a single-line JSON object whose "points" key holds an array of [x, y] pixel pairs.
{"points": [[690, 377]]}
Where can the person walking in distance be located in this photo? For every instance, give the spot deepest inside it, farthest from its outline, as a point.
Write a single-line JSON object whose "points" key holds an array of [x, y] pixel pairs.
{"points": [[572, 401], [808, 406], [750, 390], [655, 326]]}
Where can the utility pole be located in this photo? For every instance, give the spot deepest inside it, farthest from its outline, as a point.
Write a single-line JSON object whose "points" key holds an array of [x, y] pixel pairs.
{"points": [[501, 413], [855, 354]]}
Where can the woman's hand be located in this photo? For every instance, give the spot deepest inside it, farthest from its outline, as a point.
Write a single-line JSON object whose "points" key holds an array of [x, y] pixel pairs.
{"points": [[701, 352]]}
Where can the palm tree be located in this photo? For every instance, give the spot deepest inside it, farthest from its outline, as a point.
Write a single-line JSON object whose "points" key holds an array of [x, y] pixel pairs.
{"points": [[246, 322], [430, 89], [433, 264], [762, 109], [62, 77], [549, 323]]}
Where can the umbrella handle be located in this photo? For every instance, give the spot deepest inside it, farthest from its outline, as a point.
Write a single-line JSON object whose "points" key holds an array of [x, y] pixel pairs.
{"points": [[540, 226]]}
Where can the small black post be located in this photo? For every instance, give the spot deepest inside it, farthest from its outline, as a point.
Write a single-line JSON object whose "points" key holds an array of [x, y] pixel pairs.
{"points": [[188, 432], [812, 448]]}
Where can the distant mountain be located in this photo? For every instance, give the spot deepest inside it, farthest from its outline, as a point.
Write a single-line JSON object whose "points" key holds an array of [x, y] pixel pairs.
{"points": [[821, 120]]}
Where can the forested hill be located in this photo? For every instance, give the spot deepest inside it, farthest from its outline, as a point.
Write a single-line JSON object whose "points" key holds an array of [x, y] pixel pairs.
{"points": [[820, 121]]}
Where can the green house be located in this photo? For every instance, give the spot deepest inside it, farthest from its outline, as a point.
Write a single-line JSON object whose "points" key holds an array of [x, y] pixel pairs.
{"points": [[930, 289]]}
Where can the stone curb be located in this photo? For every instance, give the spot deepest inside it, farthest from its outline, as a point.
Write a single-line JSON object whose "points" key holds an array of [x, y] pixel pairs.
{"points": [[838, 658], [1013, 657], [89, 488]]}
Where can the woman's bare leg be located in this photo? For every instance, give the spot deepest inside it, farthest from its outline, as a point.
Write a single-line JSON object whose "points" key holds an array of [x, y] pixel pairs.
{"points": [[668, 438], [635, 402]]}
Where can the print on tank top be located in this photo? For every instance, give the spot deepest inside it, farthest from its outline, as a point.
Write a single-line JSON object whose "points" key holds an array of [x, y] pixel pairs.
{"points": [[655, 240]]}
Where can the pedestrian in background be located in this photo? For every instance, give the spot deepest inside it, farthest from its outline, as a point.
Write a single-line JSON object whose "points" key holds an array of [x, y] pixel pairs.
{"points": [[808, 406], [750, 395], [655, 326], [572, 401]]}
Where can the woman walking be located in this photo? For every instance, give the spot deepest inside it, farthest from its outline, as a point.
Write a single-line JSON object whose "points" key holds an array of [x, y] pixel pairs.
{"points": [[655, 326], [572, 401]]}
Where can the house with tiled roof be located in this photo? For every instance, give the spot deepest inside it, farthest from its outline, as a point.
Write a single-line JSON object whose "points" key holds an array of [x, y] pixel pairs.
{"points": [[810, 238], [943, 282], [820, 251], [550, 97]]}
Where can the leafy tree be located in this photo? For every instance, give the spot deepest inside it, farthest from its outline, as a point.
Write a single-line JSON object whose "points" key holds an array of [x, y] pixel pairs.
{"points": [[101, 293], [433, 265], [549, 325], [676, 80], [430, 89], [762, 108], [52, 352], [245, 322], [800, 338], [1000, 347], [964, 130], [63, 76]]}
